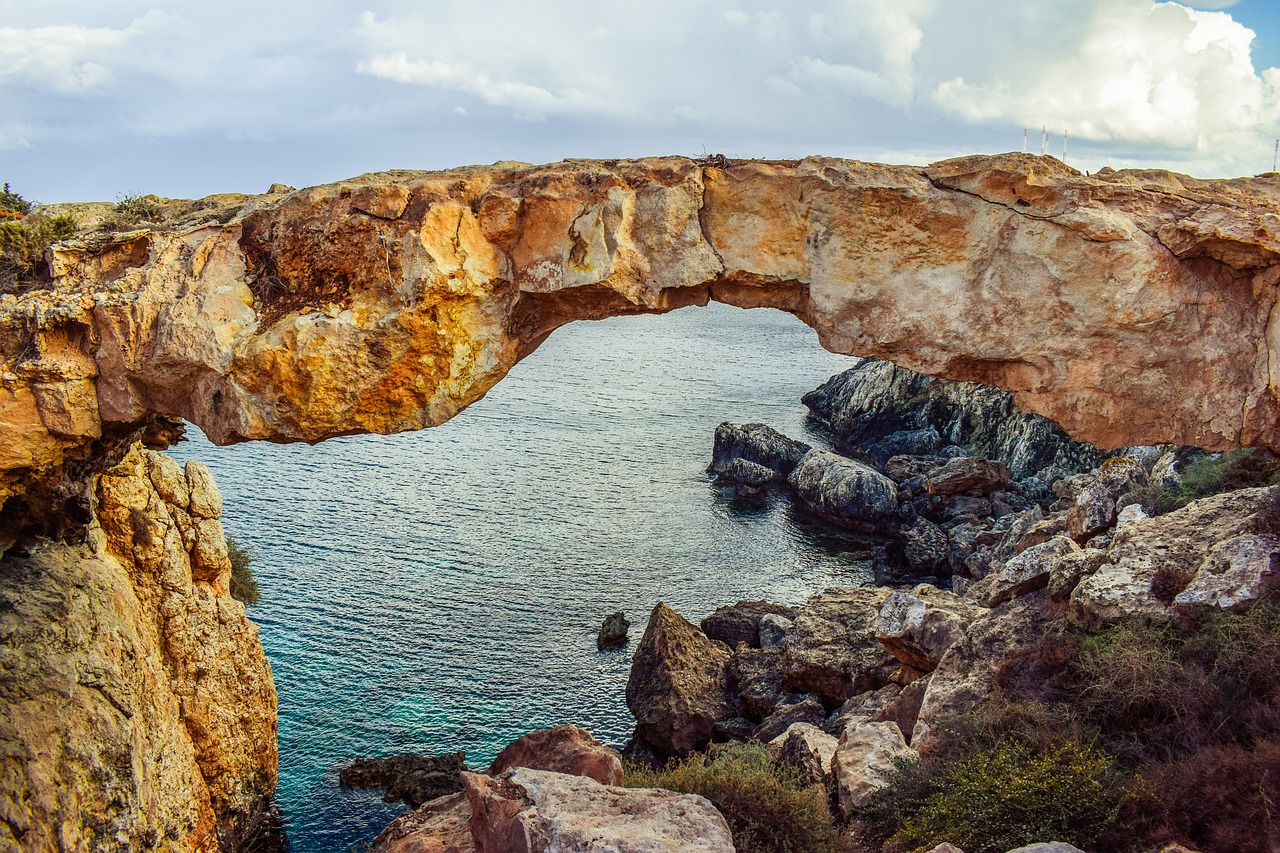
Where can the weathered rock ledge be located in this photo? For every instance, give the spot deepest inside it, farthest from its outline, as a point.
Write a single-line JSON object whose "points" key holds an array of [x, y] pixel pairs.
{"points": [[1129, 307]]}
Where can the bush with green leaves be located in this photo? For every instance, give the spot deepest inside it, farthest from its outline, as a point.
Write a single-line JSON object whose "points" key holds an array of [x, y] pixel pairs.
{"points": [[23, 243], [1218, 473], [1012, 795], [244, 586], [12, 203], [768, 808]]}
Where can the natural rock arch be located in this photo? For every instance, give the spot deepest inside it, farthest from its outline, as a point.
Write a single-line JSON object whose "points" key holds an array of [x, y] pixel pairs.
{"points": [[1129, 307]]}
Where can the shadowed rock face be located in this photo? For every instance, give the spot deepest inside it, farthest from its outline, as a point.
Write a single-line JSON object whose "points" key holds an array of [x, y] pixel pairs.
{"points": [[1129, 307]]}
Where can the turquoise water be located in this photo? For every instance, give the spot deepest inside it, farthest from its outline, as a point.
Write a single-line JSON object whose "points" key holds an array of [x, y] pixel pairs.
{"points": [[441, 590]]}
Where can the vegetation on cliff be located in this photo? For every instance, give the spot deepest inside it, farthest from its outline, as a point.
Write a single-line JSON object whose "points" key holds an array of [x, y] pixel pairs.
{"points": [[244, 586], [24, 238]]}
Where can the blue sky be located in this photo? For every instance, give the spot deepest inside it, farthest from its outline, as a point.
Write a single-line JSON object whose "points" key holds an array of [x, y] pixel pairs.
{"points": [[183, 99]]}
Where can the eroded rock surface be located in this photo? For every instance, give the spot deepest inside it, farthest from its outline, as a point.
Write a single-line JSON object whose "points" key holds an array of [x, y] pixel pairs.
{"points": [[1129, 307]]}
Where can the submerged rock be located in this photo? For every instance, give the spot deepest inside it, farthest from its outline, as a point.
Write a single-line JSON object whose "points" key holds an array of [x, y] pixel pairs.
{"points": [[744, 453], [613, 631], [413, 779]]}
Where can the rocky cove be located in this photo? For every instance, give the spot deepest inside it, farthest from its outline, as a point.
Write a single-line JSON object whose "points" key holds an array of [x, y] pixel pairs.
{"points": [[351, 309]]}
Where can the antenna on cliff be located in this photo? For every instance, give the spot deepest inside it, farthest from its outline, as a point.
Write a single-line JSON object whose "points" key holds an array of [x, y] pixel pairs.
{"points": [[1275, 156], [1024, 140], [1064, 145], [1044, 141]]}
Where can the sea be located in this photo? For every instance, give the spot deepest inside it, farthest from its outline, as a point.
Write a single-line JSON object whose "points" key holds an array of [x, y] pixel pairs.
{"points": [[441, 590]]}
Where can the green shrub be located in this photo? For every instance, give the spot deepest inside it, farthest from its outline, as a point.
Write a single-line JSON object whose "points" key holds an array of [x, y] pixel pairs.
{"points": [[768, 809], [1212, 475], [11, 202], [22, 248], [1011, 795], [139, 208], [244, 586]]}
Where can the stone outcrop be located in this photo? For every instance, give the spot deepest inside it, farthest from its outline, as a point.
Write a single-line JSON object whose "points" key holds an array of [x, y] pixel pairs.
{"points": [[739, 623], [562, 749], [139, 709], [413, 779], [1128, 307], [844, 491], [750, 446], [832, 649], [863, 761], [536, 811], [679, 684]]}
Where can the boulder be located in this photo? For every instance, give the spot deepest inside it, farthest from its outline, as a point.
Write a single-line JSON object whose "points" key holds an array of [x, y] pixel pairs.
{"points": [[1040, 532], [679, 684], [807, 710], [563, 749], [440, 826], [904, 709], [946, 848], [536, 811], [1072, 568], [1029, 571], [758, 445], [739, 623], [750, 474], [911, 442], [844, 491], [761, 678], [414, 779], [807, 749], [918, 627], [925, 548], [1168, 546], [832, 649], [862, 708], [864, 758], [900, 469], [1095, 506], [1048, 847], [773, 629], [968, 475], [1236, 573], [613, 631]]}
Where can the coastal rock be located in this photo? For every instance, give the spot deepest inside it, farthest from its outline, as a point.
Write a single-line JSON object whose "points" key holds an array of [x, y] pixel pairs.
{"points": [[739, 624], [864, 759], [613, 631], [862, 708], [925, 548], [844, 491], [1069, 569], [1095, 506], [563, 749], [1029, 571], [761, 675], [440, 826], [758, 446], [807, 710], [1235, 574], [806, 749], [773, 629], [968, 475], [832, 649], [679, 684], [1168, 546], [414, 779], [918, 627], [535, 811]]}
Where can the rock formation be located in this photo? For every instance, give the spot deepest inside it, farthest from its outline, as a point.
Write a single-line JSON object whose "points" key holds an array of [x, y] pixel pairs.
{"points": [[1129, 307]]}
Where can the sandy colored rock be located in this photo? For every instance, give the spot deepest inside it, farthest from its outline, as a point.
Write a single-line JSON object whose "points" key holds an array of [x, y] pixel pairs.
{"points": [[440, 826], [1029, 571], [679, 684], [863, 761], [918, 627], [562, 749], [1235, 574], [806, 749], [535, 811], [1128, 307], [832, 648]]}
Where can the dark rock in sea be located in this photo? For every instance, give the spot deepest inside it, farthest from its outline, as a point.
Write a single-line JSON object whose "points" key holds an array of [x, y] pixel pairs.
{"points": [[844, 491], [877, 399], [613, 632], [415, 779], [679, 684], [913, 442], [739, 623], [757, 444], [740, 472], [807, 710], [563, 749]]}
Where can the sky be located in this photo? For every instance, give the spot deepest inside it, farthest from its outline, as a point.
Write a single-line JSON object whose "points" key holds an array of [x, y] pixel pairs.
{"points": [[100, 99]]}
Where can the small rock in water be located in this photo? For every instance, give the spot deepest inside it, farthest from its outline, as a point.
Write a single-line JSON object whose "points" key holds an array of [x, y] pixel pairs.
{"points": [[415, 779], [613, 632]]}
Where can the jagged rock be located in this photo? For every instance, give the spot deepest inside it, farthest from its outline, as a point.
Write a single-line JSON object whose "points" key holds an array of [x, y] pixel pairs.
{"points": [[832, 649], [918, 627], [1130, 514], [773, 629], [807, 710], [740, 472], [1030, 570], [1070, 569], [1095, 506], [966, 674], [1235, 574], [807, 749], [876, 399], [968, 475], [925, 548], [563, 749], [758, 446], [413, 779], [965, 505], [1041, 532], [1174, 545], [733, 729], [679, 684], [864, 758], [903, 468], [915, 442], [904, 709], [534, 811], [861, 708], [844, 491], [761, 675], [946, 848], [440, 826], [739, 623], [613, 631]]}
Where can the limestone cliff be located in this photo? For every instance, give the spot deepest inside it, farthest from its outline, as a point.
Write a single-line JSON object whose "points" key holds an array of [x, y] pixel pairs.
{"points": [[1129, 307], [137, 709]]}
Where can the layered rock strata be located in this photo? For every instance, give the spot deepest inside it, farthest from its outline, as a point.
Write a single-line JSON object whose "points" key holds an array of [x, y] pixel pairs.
{"points": [[1129, 307]]}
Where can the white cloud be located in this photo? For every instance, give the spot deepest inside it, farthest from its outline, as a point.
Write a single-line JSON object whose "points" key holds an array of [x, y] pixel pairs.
{"points": [[66, 59]]}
